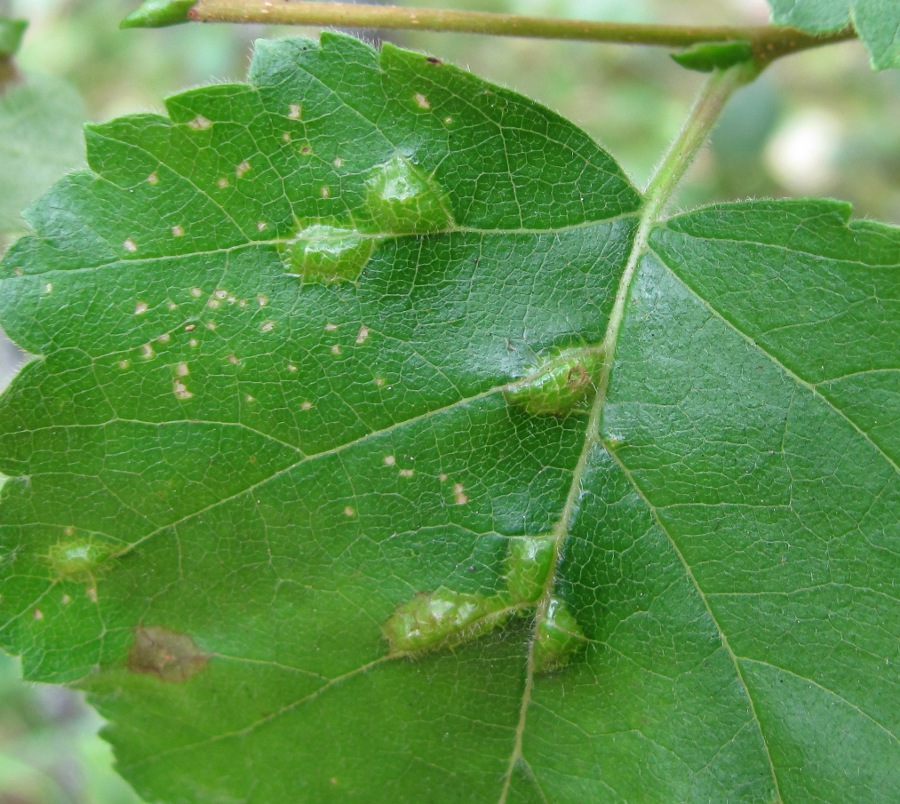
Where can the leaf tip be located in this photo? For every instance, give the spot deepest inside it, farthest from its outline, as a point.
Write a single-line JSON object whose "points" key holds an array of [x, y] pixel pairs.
{"points": [[11, 33], [159, 14], [709, 56]]}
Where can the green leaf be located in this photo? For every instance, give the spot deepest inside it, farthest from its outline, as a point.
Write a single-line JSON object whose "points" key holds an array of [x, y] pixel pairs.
{"points": [[295, 531], [11, 33], [40, 138], [876, 21]]}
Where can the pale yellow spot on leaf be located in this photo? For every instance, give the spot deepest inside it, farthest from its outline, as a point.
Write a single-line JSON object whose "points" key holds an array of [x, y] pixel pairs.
{"points": [[459, 494]]}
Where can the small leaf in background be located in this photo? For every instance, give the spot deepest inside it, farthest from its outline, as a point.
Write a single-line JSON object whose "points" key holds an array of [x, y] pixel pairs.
{"points": [[11, 33], [40, 139], [876, 21], [291, 340]]}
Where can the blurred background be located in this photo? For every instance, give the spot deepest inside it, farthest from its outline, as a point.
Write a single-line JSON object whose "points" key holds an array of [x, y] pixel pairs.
{"points": [[819, 123]]}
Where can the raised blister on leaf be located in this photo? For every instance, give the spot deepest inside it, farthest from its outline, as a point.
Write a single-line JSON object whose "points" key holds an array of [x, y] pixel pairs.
{"points": [[527, 566], [443, 618], [564, 380], [78, 559], [327, 254], [402, 199], [558, 637]]}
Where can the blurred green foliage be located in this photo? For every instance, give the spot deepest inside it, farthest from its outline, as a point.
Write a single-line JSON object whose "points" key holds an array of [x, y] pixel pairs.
{"points": [[49, 749], [815, 124]]}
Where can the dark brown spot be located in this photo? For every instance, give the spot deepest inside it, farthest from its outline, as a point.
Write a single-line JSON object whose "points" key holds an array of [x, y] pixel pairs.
{"points": [[166, 654], [432, 60]]}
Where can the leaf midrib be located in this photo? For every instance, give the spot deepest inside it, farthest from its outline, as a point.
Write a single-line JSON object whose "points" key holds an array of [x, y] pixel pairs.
{"points": [[660, 190], [651, 210], [118, 262]]}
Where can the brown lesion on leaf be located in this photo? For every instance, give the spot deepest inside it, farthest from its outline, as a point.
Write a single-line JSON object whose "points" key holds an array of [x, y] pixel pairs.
{"points": [[169, 655]]}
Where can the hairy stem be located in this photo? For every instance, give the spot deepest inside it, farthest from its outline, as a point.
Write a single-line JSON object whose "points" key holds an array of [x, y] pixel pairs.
{"points": [[767, 42]]}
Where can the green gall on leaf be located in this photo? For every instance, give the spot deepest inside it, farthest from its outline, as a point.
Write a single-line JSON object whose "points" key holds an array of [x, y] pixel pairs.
{"points": [[158, 14], [402, 199], [709, 56], [327, 254], [560, 384], [78, 559], [443, 619], [528, 565], [557, 639]]}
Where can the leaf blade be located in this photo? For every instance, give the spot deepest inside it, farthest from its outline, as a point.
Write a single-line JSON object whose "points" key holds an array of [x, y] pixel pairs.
{"points": [[876, 21], [283, 480]]}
